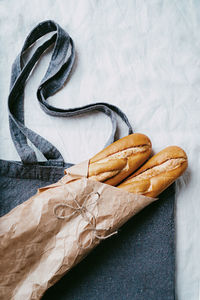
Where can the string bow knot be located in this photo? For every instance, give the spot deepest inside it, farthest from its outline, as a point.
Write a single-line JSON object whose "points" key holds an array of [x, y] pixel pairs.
{"points": [[85, 213]]}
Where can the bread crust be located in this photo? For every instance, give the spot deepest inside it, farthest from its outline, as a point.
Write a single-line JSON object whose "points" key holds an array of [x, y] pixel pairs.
{"points": [[159, 172], [120, 159]]}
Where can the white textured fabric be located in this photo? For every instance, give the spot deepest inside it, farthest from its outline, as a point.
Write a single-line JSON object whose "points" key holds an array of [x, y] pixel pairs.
{"points": [[143, 56]]}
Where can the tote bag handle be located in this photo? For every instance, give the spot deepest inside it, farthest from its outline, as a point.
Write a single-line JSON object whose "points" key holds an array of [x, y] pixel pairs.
{"points": [[59, 68]]}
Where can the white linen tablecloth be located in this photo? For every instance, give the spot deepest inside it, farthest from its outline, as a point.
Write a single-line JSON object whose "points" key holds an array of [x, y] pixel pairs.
{"points": [[143, 56]]}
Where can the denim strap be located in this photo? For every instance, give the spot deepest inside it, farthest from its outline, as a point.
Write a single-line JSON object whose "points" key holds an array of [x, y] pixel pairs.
{"points": [[59, 68]]}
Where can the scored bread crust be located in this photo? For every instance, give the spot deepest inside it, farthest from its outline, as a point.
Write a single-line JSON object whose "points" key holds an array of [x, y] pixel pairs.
{"points": [[120, 159], [157, 173]]}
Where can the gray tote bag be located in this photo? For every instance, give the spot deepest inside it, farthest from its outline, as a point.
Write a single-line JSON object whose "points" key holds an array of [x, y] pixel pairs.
{"points": [[136, 264]]}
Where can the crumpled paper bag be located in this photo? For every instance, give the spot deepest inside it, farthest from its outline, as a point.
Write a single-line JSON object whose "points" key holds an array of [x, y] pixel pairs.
{"points": [[43, 238]]}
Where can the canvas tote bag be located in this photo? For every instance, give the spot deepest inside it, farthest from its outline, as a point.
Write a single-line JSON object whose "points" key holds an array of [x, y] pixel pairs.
{"points": [[136, 264]]}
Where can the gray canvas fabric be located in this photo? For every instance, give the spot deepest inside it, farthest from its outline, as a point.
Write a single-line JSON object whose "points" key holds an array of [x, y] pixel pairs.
{"points": [[136, 264]]}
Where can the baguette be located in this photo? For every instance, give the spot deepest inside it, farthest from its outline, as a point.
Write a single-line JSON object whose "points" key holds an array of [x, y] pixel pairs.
{"points": [[157, 173], [120, 159]]}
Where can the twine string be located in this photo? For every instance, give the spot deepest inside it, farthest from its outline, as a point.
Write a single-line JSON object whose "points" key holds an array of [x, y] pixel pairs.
{"points": [[84, 211]]}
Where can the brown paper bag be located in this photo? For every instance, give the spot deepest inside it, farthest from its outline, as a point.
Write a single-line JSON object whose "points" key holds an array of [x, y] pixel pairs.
{"points": [[43, 238]]}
